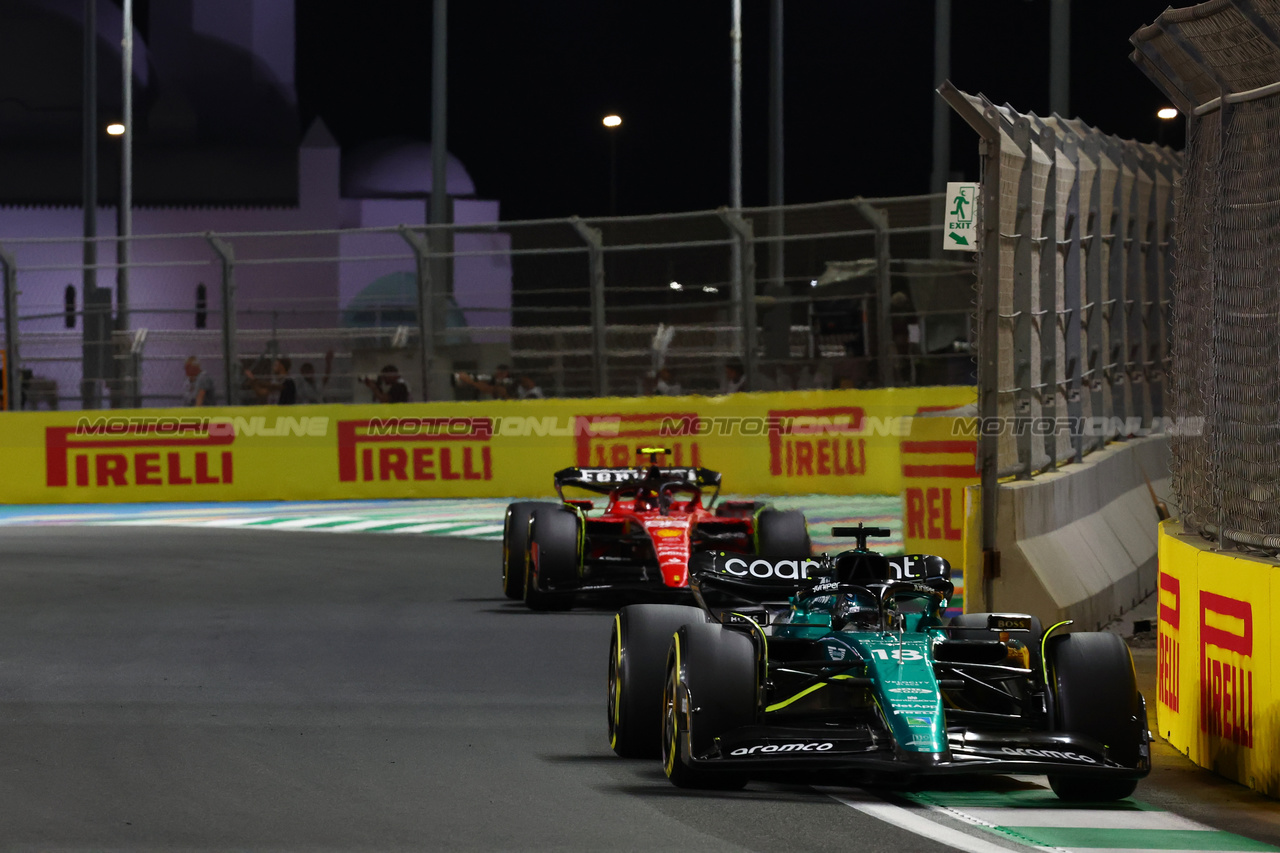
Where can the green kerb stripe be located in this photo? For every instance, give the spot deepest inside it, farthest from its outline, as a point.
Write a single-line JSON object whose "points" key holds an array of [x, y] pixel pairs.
{"points": [[1138, 839], [1030, 798]]}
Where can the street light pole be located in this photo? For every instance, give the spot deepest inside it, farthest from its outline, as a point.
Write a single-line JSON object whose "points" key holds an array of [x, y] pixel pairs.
{"points": [[735, 169], [1060, 58], [124, 213]]}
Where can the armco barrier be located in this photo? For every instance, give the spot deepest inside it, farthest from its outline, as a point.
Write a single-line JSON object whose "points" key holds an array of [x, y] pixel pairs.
{"points": [[816, 442], [1219, 659], [938, 463]]}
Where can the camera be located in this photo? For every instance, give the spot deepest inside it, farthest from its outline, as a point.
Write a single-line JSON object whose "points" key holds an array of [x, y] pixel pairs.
{"points": [[456, 379]]}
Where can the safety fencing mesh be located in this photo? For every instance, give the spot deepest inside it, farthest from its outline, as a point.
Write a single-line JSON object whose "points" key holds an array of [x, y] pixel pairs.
{"points": [[1078, 302], [846, 293], [1220, 64]]}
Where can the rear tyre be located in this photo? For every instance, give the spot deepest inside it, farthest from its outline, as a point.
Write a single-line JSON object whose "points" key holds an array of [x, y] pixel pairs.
{"points": [[1096, 694], [637, 669], [782, 533], [712, 669], [515, 546], [551, 572]]}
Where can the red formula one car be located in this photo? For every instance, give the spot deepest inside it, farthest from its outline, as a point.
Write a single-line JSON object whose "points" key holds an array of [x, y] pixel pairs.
{"points": [[637, 548]]}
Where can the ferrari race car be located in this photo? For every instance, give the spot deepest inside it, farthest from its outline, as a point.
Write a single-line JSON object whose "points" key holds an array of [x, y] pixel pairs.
{"points": [[640, 545], [846, 663]]}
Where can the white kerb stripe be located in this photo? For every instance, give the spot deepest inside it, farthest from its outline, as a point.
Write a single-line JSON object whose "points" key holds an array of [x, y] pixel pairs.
{"points": [[310, 521], [918, 824], [1082, 818], [357, 525], [478, 531]]}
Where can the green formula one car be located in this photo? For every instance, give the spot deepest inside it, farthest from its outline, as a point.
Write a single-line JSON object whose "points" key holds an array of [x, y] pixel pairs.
{"points": [[846, 664]]}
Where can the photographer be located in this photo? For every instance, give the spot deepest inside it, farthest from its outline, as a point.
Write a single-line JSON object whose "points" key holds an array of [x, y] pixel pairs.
{"points": [[387, 387], [499, 386]]}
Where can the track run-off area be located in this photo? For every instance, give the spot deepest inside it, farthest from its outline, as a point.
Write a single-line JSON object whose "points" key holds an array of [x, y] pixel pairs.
{"points": [[170, 683]]}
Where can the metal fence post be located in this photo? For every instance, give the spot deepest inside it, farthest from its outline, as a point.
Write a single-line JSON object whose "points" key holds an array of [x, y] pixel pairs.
{"points": [[12, 372], [426, 326], [594, 239], [1071, 300], [1022, 301], [742, 229], [227, 255], [1137, 239], [879, 222], [1047, 317], [1114, 314], [1093, 310]]}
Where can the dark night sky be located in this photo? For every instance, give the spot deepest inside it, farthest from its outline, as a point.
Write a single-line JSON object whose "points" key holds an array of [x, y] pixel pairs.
{"points": [[529, 82]]}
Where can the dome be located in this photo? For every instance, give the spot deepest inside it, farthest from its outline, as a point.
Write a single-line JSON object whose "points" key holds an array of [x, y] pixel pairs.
{"points": [[398, 168], [392, 300]]}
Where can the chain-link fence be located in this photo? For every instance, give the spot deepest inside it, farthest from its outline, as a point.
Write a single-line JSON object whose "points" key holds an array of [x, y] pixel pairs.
{"points": [[839, 294], [1076, 260], [1220, 65]]}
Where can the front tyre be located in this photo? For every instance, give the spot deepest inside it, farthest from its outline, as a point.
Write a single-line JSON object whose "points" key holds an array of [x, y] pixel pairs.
{"points": [[710, 690], [515, 545], [782, 533], [637, 669], [554, 557], [1096, 694]]}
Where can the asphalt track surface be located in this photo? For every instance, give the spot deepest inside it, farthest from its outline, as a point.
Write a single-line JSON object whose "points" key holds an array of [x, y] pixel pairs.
{"points": [[184, 689]]}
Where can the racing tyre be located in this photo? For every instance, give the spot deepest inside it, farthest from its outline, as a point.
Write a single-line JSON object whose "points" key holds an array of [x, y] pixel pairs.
{"points": [[515, 546], [1096, 694], [782, 533], [551, 572], [637, 668], [713, 670]]}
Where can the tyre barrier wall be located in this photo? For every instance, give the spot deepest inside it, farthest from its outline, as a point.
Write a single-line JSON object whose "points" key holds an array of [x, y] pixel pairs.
{"points": [[1218, 668], [780, 443]]}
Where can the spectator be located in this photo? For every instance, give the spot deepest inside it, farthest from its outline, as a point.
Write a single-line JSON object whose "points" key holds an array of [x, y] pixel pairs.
{"points": [[735, 379], [199, 388], [527, 389], [287, 389], [665, 385], [309, 392], [498, 386], [280, 388], [387, 386]]}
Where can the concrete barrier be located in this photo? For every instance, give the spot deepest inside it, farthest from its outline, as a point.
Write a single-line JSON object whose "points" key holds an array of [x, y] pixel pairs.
{"points": [[1079, 543]]}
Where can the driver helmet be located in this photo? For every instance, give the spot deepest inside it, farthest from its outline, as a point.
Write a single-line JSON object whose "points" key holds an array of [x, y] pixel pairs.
{"points": [[854, 612]]}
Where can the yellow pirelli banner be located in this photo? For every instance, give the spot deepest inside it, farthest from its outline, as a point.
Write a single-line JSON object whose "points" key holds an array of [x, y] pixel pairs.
{"points": [[1218, 659], [813, 442]]}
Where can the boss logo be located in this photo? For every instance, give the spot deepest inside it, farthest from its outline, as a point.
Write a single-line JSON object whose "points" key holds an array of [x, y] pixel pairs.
{"points": [[780, 569], [1049, 753], [784, 747]]}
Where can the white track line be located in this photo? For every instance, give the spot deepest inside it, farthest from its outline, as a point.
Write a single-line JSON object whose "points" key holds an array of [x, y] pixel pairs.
{"points": [[912, 822]]}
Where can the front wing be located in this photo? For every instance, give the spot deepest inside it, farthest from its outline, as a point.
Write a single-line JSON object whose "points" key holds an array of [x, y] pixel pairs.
{"points": [[768, 749]]}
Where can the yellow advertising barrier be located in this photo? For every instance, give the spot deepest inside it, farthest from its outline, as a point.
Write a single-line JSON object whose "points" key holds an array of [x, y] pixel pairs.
{"points": [[1216, 689], [938, 463], [812, 442]]}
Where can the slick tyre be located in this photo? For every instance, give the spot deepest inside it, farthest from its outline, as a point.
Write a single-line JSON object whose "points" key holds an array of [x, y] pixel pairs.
{"points": [[551, 571], [782, 533], [1096, 694], [515, 546], [637, 669], [713, 670]]}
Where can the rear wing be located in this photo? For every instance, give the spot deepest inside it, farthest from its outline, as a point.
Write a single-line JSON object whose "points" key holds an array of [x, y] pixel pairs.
{"points": [[746, 577], [605, 480]]}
